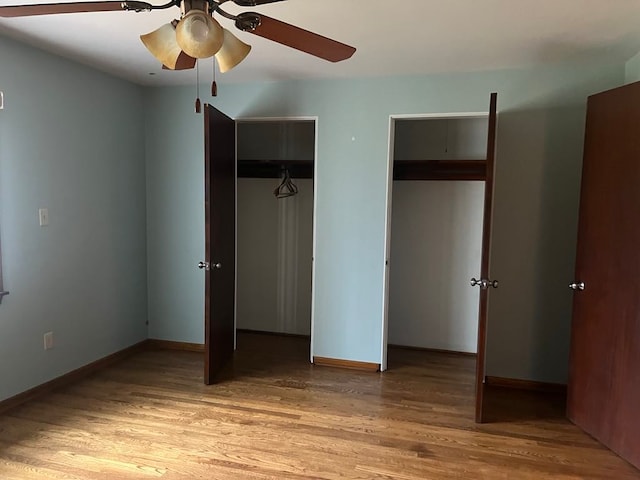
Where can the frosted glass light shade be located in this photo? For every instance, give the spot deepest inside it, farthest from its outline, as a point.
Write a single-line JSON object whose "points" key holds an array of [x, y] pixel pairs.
{"points": [[163, 45], [232, 52], [199, 35]]}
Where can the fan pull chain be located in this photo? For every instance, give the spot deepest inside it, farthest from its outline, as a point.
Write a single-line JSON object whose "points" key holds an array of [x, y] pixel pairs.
{"points": [[214, 85], [198, 104]]}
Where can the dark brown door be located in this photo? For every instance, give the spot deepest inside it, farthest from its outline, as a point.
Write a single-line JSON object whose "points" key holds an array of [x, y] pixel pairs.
{"points": [[604, 374], [220, 241], [486, 282]]}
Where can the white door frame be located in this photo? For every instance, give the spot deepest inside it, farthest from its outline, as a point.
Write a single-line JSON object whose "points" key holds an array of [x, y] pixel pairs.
{"points": [[388, 198], [314, 119]]}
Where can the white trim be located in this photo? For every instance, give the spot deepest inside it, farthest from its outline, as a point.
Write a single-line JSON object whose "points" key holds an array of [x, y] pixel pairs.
{"points": [[314, 236], [277, 119], [388, 202], [435, 116], [387, 246], [235, 288]]}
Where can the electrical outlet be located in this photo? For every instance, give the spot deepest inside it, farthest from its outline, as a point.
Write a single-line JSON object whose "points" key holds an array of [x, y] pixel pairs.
{"points": [[48, 340]]}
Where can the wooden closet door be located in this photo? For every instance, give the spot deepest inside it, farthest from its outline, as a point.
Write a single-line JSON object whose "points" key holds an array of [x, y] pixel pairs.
{"points": [[220, 241], [604, 374], [481, 407]]}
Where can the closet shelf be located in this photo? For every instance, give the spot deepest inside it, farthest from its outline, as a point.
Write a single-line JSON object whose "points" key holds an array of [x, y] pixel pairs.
{"points": [[439, 169], [273, 168]]}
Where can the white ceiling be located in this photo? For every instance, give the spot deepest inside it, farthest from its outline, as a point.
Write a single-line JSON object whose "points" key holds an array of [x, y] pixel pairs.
{"points": [[396, 37]]}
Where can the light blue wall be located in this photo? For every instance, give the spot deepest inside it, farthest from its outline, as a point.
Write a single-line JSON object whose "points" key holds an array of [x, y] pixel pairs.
{"points": [[71, 140], [175, 217], [632, 70], [538, 175]]}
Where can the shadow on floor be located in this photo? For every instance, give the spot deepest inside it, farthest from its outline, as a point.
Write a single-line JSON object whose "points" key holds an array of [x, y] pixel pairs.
{"points": [[513, 405]]}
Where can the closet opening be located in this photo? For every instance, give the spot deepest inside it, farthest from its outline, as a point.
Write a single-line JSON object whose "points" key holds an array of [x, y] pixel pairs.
{"points": [[437, 168], [275, 232]]}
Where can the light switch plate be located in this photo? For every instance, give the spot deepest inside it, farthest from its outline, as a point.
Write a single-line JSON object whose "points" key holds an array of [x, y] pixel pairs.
{"points": [[43, 214], [48, 340]]}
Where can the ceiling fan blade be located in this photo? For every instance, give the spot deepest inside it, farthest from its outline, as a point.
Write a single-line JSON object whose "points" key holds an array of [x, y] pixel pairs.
{"points": [[294, 37], [253, 3], [184, 62], [75, 7]]}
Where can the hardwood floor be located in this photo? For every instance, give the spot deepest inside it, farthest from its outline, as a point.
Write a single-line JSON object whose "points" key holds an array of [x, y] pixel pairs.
{"points": [[275, 416]]}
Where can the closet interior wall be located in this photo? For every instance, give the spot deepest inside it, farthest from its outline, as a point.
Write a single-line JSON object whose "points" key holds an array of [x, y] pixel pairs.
{"points": [[275, 236], [436, 237]]}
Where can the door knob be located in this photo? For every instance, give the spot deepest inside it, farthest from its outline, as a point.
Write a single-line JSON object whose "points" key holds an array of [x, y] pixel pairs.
{"points": [[483, 283], [576, 286], [217, 265], [204, 265]]}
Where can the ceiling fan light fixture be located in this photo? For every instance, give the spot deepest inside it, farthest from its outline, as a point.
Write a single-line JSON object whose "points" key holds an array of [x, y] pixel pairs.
{"points": [[232, 52], [162, 45], [199, 35]]}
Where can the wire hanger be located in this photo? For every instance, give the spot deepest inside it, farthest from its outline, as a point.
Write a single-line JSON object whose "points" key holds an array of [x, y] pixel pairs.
{"points": [[286, 187]]}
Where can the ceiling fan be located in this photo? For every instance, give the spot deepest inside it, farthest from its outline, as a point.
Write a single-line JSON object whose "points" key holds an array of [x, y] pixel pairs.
{"points": [[197, 34]]}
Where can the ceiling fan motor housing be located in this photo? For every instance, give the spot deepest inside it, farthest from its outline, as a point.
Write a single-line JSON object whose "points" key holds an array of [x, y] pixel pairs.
{"points": [[187, 5]]}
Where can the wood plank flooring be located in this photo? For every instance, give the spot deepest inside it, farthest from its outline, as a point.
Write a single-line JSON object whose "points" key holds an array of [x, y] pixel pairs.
{"points": [[275, 416]]}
